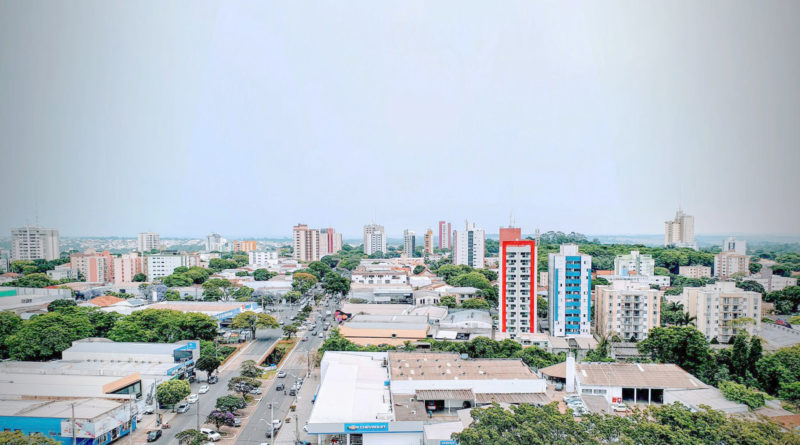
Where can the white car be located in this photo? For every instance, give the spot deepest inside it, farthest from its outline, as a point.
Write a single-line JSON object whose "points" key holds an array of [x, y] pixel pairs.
{"points": [[203, 389], [192, 398], [211, 434]]}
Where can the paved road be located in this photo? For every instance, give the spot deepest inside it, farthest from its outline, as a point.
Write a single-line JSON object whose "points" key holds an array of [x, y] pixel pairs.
{"points": [[296, 365], [255, 350]]}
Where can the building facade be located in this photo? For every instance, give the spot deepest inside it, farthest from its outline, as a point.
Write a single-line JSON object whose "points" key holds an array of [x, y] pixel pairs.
{"points": [[468, 246], [162, 265], [126, 266], [330, 242], [722, 309], [445, 234], [409, 242], [95, 267], [34, 243], [305, 242], [634, 263], [626, 309], [517, 282], [245, 246], [680, 231], [429, 242], [569, 292], [695, 271], [215, 243], [731, 244], [729, 263], [374, 239], [148, 241]]}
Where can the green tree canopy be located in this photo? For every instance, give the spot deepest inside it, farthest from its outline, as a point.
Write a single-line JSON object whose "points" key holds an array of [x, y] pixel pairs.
{"points": [[475, 303], [252, 321], [172, 391], [263, 275]]}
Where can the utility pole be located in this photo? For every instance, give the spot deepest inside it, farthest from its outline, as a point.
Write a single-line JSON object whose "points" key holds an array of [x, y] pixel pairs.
{"points": [[198, 414], [271, 425], [130, 429], [74, 440]]}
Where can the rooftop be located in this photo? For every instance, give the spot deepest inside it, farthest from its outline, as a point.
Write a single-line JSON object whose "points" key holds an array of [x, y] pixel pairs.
{"points": [[450, 366], [198, 306], [84, 408], [105, 300], [630, 375], [111, 347]]}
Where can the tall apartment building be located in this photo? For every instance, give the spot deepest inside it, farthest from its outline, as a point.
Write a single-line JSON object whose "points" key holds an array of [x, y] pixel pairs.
{"points": [[148, 241], [694, 271], [126, 266], [215, 243], [95, 267], [680, 231], [728, 263], [429, 242], [445, 233], [717, 307], [409, 242], [374, 239], [627, 309], [163, 264], [634, 264], [305, 242], [569, 292], [245, 246], [468, 246], [517, 282], [330, 242], [731, 244], [34, 243]]}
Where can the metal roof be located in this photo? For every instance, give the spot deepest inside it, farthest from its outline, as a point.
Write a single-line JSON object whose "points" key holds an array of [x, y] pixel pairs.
{"points": [[532, 398], [445, 394]]}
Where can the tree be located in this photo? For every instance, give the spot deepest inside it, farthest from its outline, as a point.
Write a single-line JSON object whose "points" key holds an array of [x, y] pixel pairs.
{"points": [[32, 280], [243, 293], [418, 269], [252, 321], [228, 403], [177, 280], [163, 325], [448, 301], [752, 286], [19, 438], [173, 295], [243, 385], [139, 278], [471, 279], [191, 437], [172, 391], [59, 304], [249, 369], [208, 363], [242, 273], [303, 282], [319, 269], [293, 296], [263, 275], [217, 288], [336, 284], [289, 330], [683, 346], [489, 274], [9, 324], [783, 270], [786, 299], [661, 271], [736, 392], [755, 266], [219, 418], [475, 303], [43, 337], [541, 307]]}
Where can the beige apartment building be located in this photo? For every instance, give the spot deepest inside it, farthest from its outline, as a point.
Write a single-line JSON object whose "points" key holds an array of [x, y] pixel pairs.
{"points": [[306, 243], [719, 309], [627, 309], [729, 263], [429, 242], [695, 271]]}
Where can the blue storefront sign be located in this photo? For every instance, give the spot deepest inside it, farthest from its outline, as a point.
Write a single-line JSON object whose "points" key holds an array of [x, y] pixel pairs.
{"points": [[376, 427], [448, 442]]}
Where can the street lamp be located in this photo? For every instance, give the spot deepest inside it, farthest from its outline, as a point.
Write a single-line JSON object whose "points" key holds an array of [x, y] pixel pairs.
{"points": [[271, 425]]}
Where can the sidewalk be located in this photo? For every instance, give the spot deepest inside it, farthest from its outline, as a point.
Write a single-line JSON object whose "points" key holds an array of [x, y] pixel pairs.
{"points": [[287, 434]]}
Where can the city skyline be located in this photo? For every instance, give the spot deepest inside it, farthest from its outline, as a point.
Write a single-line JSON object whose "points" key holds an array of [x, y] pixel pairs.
{"points": [[246, 118]]}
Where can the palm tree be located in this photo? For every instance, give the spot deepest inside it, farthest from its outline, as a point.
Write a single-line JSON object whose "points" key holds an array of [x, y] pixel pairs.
{"points": [[686, 320]]}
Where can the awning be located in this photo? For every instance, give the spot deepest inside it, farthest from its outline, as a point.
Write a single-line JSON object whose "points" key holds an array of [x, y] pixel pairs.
{"points": [[445, 394], [531, 398], [449, 335]]}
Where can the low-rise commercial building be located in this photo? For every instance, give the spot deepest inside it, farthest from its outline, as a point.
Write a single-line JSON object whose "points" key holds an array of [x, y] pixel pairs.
{"points": [[385, 329], [383, 293], [389, 397], [464, 325], [626, 309], [97, 421], [221, 310], [396, 276], [773, 282], [63, 272]]}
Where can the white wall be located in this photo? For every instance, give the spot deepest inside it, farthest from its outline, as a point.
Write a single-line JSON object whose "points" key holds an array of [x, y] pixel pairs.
{"points": [[393, 439]]}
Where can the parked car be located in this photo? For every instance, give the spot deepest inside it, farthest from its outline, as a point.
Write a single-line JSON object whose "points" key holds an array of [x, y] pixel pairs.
{"points": [[211, 434], [255, 391], [305, 339], [153, 435], [620, 408], [292, 392], [203, 389], [213, 379], [193, 398], [281, 374], [237, 422], [182, 408], [321, 334], [277, 424], [299, 381], [149, 409], [280, 387]]}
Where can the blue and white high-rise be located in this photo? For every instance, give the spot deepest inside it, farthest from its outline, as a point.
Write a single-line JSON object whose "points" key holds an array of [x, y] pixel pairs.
{"points": [[569, 292]]}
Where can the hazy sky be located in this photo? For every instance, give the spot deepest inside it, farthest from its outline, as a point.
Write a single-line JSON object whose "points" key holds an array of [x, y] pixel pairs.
{"points": [[246, 117]]}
